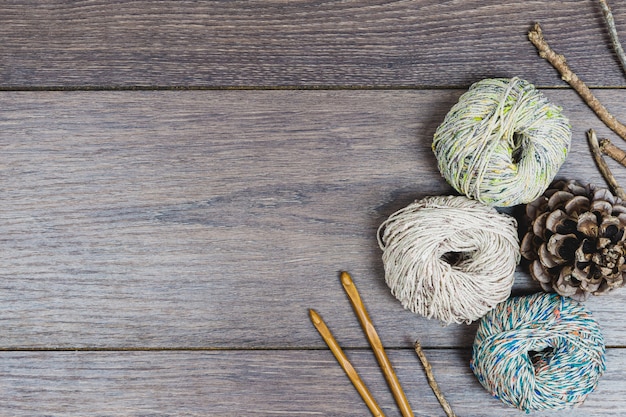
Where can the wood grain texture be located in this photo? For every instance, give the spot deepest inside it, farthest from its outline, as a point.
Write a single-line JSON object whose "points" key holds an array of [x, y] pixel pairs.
{"points": [[207, 170], [161, 248], [419, 43], [255, 383], [218, 218]]}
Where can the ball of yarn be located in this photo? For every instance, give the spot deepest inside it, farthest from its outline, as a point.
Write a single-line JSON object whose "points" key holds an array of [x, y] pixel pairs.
{"points": [[539, 352], [502, 143], [449, 258]]}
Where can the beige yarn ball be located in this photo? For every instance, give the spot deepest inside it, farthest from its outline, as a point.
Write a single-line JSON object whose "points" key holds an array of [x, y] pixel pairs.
{"points": [[449, 258]]}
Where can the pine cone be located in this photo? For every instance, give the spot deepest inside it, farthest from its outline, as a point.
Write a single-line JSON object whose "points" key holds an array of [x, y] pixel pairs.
{"points": [[575, 240]]}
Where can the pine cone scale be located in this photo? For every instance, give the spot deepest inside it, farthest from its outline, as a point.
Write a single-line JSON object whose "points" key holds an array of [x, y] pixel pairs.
{"points": [[587, 224], [548, 259], [577, 203]]}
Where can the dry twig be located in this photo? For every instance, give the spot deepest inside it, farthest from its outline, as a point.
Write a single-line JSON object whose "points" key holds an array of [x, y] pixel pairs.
{"points": [[432, 382], [610, 24], [607, 148], [602, 166], [558, 62]]}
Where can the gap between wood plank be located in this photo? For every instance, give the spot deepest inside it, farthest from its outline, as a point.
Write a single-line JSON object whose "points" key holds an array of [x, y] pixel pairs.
{"points": [[269, 88], [208, 349], [226, 349]]}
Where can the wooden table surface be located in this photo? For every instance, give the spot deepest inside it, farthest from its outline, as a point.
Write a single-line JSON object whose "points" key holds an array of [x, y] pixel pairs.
{"points": [[183, 180]]}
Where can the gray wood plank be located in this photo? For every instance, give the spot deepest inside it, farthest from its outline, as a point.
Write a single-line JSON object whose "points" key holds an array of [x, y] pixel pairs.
{"points": [[418, 43], [254, 383], [218, 218]]}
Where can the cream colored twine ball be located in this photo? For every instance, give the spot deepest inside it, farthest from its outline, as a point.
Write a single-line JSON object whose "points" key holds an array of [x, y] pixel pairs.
{"points": [[502, 143], [449, 258]]}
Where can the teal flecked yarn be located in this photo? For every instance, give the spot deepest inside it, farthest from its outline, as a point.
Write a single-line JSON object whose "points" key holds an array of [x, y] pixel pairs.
{"points": [[502, 143], [539, 352]]}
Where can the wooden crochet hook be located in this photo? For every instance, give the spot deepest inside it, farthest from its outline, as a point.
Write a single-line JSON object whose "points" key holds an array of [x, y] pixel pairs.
{"points": [[376, 344], [345, 364]]}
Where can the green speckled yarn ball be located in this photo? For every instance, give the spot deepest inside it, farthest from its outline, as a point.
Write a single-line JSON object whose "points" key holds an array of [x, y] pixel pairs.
{"points": [[502, 143]]}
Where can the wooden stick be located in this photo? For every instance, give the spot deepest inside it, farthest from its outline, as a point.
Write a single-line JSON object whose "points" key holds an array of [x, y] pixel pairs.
{"points": [[602, 166], [376, 344], [558, 61], [345, 364], [607, 148], [610, 24], [432, 382]]}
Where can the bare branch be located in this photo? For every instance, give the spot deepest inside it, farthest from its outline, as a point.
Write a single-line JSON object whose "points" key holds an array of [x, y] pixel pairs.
{"points": [[432, 382], [558, 61], [610, 24], [607, 148], [603, 167]]}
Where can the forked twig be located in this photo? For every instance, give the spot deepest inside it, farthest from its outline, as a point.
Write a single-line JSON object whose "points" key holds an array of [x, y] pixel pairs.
{"points": [[602, 166], [535, 35]]}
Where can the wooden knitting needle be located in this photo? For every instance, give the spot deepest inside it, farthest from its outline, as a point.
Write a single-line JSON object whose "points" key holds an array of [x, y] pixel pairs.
{"points": [[376, 344], [345, 364]]}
